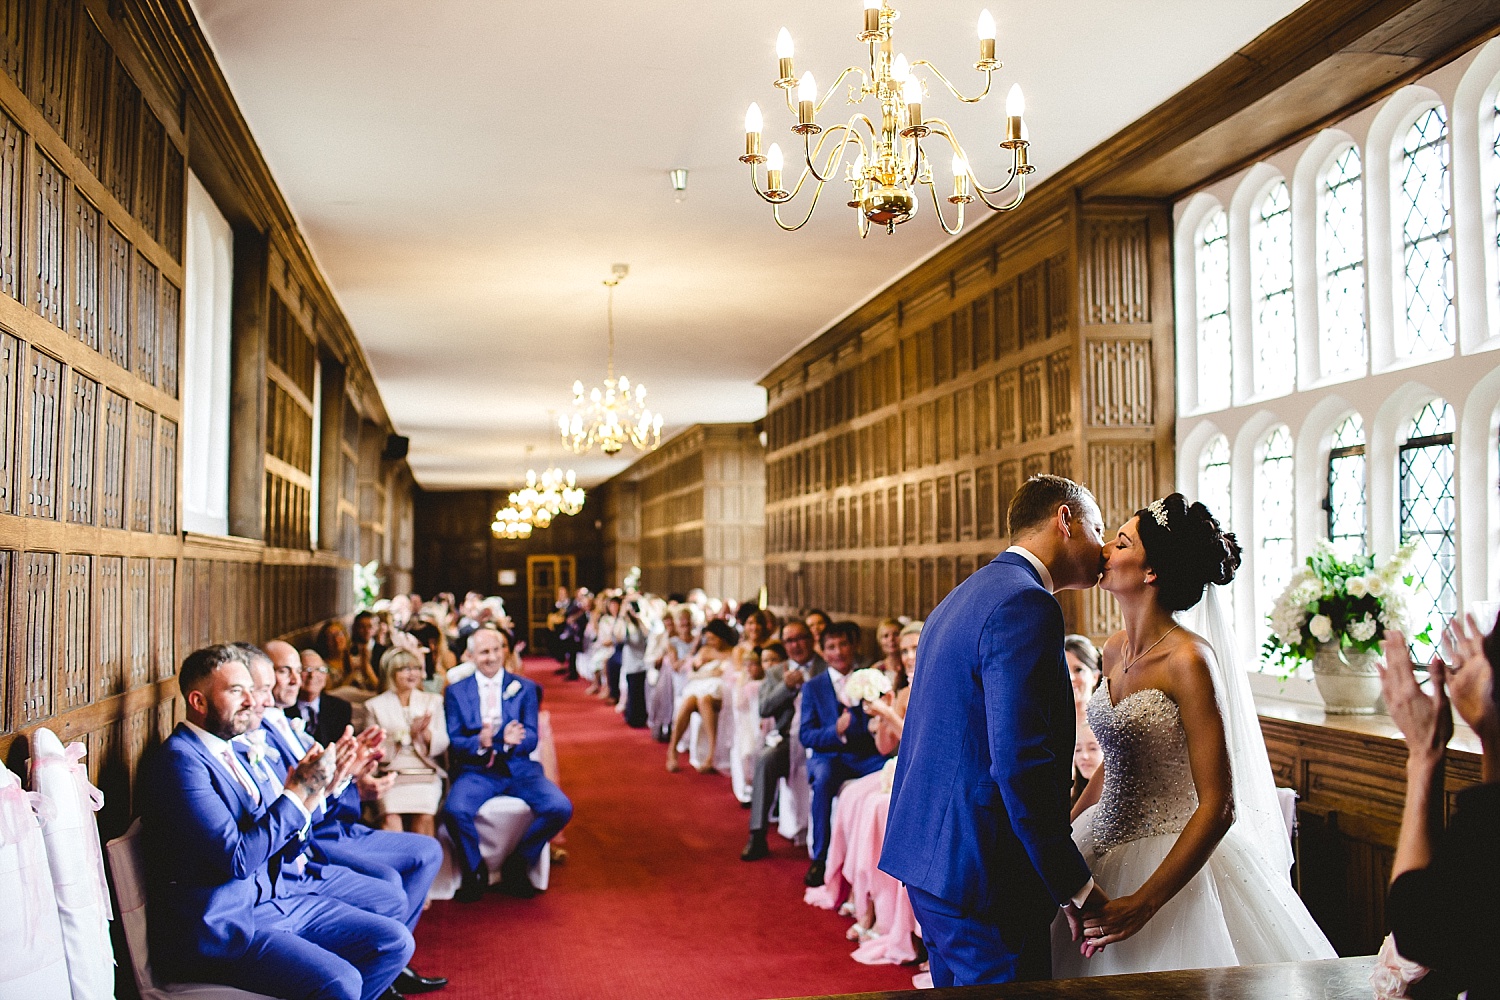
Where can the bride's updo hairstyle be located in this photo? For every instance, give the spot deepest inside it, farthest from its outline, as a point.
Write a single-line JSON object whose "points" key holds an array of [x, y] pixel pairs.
{"points": [[1187, 549]]}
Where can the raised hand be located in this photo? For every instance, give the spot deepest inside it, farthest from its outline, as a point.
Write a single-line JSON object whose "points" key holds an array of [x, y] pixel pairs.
{"points": [[1424, 719], [1471, 678], [513, 734], [312, 775]]}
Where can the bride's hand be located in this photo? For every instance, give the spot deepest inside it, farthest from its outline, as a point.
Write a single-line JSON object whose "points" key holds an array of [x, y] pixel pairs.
{"points": [[1115, 921]]}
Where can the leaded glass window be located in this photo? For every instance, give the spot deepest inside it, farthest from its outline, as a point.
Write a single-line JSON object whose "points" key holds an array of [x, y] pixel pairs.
{"points": [[1275, 336], [1213, 479], [1275, 524], [1342, 316], [1346, 488], [1427, 517], [1426, 237], [1214, 364]]}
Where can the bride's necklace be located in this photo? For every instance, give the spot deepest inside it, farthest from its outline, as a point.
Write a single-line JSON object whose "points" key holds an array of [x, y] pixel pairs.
{"points": [[1136, 658]]}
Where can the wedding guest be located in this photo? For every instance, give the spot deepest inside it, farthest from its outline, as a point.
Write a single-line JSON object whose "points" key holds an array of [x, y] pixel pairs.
{"points": [[416, 736], [437, 659], [817, 621], [1444, 881], [492, 724], [888, 643], [1087, 756], [756, 633], [635, 633], [1083, 670], [219, 914], [659, 694], [332, 646], [323, 716], [779, 693], [704, 691], [838, 735], [750, 729], [888, 715]]}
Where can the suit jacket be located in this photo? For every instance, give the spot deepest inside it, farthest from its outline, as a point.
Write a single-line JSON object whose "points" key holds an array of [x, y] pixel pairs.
{"points": [[979, 804], [462, 711], [338, 817], [779, 702], [333, 715], [821, 709], [206, 846]]}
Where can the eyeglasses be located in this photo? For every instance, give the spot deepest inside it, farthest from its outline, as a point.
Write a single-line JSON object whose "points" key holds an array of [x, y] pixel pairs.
{"points": [[315, 670]]}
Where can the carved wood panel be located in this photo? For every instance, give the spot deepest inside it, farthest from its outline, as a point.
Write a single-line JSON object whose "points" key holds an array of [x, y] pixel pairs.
{"points": [[112, 475], [174, 202], [1117, 383], [1060, 392], [90, 95], [1033, 412], [1007, 332], [149, 175], [142, 439], [15, 22], [1060, 462], [166, 488], [164, 618], [147, 301], [167, 335], [1116, 278], [49, 53], [85, 265], [75, 687], [44, 402], [1123, 478], [1031, 305], [82, 451], [10, 387], [1007, 407], [38, 581], [1059, 299], [138, 622], [111, 672], [12, 210], [48, 250], [117, 256], [124, 128], [984, 501]]}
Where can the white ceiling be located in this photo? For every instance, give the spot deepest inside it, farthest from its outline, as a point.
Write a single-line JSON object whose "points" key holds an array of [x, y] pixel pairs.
{"points": [[467, 171]]}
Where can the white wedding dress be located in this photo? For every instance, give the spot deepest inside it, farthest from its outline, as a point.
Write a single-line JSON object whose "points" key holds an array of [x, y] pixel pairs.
{"points": [[1240, 908]]}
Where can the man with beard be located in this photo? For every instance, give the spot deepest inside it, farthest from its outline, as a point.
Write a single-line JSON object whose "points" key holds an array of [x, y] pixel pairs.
{"points": [[214, 849]]}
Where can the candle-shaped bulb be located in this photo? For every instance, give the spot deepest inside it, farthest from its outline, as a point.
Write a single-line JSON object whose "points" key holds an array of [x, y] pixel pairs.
{"points": [[960, 168], [899, 69], [986, 26], [859, 164], [784, 44], [774, 158], [1025, 133], [807, 90], [1015, 102], [753, 119], [911, 90], [872, 4]]}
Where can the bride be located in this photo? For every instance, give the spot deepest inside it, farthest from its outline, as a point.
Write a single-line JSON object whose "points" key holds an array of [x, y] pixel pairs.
{"points": [[1181, 826]]}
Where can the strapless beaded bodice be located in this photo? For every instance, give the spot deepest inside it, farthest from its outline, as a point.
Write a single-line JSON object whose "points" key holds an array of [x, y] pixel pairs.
{"points": [[1148, 784]]}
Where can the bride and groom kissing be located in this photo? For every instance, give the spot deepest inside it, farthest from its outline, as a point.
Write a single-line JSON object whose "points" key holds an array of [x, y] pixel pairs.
{"points": [[1176, 855]]}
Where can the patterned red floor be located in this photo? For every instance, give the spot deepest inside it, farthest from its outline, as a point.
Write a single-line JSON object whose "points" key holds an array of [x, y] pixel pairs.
{"points": [[653, 902]]}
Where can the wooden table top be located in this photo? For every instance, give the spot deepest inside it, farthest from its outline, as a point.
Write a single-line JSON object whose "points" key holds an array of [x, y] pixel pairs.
{"points": [[1337, 979]]}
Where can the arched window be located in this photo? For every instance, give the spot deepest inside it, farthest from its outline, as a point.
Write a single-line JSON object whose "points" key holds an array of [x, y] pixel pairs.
{"points": [[1495, 162], [1427, 517], [1342, 338], [1213, 479], [1275, 525], [1346, 488], [1214, 363], [1275, 334], [1426, 237]]}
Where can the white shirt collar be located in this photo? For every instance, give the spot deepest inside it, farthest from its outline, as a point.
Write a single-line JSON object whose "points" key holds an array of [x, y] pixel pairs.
{"points": [[496, 680], [1036, 564], [215, 745]]}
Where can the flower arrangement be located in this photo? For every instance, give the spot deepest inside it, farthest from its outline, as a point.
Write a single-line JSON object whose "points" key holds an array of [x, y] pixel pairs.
{"points": [[1350, 602], [866, 684], [367, 583]]}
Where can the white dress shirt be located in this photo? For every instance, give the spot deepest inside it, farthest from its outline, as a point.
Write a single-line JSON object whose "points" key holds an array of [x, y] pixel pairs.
{"points": [[491, 694], [217, 748]]}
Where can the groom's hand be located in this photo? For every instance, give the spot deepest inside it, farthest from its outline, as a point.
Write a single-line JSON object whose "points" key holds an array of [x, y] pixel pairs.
{"points": [[1091, 907]]}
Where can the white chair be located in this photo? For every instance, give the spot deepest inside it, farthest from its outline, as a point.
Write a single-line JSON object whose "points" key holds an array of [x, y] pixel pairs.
{"points": [[501, 823], [697, 741], [794, 796], [129, 876]]}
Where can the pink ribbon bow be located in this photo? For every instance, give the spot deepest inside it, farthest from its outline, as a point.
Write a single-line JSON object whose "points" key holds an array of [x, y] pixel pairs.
{"points": [[20, 812]]}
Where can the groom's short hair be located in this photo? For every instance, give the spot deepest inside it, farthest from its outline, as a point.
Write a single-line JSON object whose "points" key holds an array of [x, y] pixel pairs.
{"points": [[1036, 502]]}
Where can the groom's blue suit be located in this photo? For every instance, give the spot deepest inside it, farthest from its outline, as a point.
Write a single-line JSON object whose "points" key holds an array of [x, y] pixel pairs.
{"points": [[978, 826]]}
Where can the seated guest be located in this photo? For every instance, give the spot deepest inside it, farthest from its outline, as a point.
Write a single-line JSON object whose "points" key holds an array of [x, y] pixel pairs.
{"points": [[778, 695], [888, 641], [492, 730], [332, 644], [416, 736], [817, 620], [837, 733], [704, 691], [222, 910], [660, 696], [323, 716], [1442, 882]]}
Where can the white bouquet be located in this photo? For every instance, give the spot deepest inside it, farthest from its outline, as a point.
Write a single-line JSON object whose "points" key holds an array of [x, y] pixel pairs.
{"points": [[866, 684]]}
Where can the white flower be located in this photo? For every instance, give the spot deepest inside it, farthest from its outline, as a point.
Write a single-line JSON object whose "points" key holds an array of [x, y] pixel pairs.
{"points": [[1356, 586], [1362, 630], [1295, 639], [866, 684], [1375, 585], [1321, 628]]}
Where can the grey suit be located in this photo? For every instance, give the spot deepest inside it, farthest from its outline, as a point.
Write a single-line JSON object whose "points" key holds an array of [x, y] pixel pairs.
{"points": [[778, 702]]}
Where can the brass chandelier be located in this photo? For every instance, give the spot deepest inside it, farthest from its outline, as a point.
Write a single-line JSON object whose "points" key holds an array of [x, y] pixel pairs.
{"points": [[617, 414], [508, 523], [891, 163], [553, 493]]}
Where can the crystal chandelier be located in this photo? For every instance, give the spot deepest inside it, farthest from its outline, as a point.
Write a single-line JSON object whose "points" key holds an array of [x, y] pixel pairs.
{"points": [[508, 523], [615, 415], [555, 491], [891, 163]]}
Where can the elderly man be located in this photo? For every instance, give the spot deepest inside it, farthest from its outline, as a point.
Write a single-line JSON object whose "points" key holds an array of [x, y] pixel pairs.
{"points": [[778, 702], [223, 910], [492, 730], [406, 862], [323, 716]]}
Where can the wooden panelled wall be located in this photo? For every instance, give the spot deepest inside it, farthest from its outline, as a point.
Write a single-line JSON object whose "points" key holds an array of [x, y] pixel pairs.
{"points": [[100, 591], [895, 444]]}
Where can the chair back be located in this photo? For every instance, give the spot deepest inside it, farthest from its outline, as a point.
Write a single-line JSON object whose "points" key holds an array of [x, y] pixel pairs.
{"points": [[128, 872]]}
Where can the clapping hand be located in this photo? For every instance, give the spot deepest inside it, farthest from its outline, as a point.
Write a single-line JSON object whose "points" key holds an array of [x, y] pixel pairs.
{"points": [[1424, 719], [420, 726], [312, 775], [845, 718], [486, 736], [513, 734], [1471, 678]]}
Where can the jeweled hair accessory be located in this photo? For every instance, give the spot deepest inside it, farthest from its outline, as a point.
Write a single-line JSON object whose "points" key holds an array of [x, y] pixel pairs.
{"points": [[1158, 511]]}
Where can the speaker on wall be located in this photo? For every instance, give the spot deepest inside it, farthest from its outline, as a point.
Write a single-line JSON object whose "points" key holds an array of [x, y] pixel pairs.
{"points": [[395, 448]]}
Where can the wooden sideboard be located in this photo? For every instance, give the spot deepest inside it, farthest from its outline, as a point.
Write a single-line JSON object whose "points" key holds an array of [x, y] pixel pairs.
{"points": [[1350, 775]]}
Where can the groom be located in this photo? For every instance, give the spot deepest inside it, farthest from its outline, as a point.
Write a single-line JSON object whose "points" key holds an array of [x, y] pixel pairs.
{"points": [[978, 826]]}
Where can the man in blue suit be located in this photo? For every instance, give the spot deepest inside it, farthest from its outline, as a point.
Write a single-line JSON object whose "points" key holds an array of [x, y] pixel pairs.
{"points": [[221, 909], [837, 734], [492, 731], [978, 825]]}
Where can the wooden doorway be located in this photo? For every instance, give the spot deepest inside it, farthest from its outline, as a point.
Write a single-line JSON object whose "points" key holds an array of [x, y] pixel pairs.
{"points": [[544, 574]]}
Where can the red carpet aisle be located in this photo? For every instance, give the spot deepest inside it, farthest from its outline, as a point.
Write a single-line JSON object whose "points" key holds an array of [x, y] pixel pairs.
{"points": [[653, 902]]}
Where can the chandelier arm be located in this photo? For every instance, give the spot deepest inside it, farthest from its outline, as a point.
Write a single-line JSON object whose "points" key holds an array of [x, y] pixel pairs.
{"points": [[835, 156], [989, 76], [812, 207], [937, 209], [864, 82], [765, 196], [942, 128], [1013, 204]]}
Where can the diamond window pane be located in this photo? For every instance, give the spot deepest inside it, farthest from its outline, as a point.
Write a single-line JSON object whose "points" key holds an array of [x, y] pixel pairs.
{"points": [[1342, 341], [1275, 334], [1346, 488], [1275, 521], [1214, 363], [1427, 517], [1214, 481], [1427, 244]]}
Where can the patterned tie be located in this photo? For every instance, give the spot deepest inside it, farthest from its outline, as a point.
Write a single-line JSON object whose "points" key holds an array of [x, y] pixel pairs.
{"points": [[240, 775], [490, 708]]}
